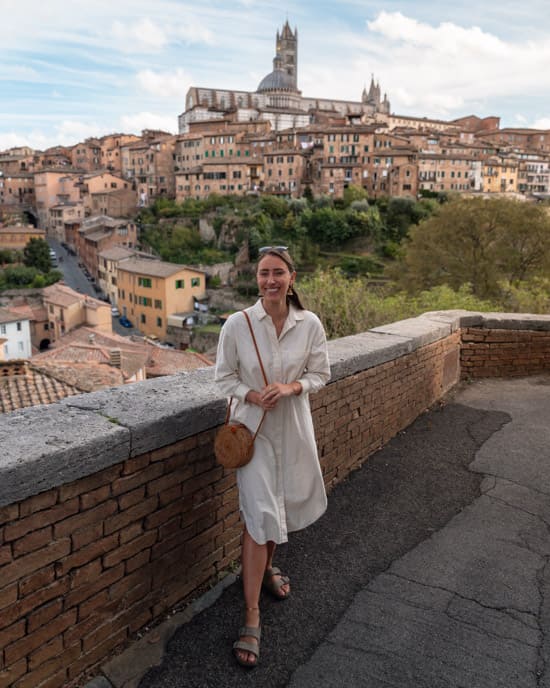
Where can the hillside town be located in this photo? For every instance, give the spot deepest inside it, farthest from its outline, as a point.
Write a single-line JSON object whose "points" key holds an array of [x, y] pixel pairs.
{"points": [[84, 200]]}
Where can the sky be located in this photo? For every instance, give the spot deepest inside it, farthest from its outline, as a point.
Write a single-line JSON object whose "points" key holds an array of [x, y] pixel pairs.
{"points": [[72, 70]]}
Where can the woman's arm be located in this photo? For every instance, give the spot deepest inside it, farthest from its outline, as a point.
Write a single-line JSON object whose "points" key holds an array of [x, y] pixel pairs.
{"points": [[317, 370], [227, 363]]}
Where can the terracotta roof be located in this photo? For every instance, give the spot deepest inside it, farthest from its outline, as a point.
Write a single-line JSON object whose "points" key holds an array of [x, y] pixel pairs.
{"points": [[86, 377], [22, 385], [116, 253], [154, 268], [85, 344], [7, 315], [61, 295]]}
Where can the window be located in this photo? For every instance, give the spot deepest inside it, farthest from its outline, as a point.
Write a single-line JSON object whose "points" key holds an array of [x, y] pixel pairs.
{"points": [[142, 319], [158, 303], [180, 284], [144, 301], [21, 346], [2, 329], [159, 322], [19, 327], [195, 281], [145, 282]]}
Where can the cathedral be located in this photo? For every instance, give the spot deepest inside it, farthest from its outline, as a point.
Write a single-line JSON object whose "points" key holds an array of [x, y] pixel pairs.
{"points": [[278, 98]]}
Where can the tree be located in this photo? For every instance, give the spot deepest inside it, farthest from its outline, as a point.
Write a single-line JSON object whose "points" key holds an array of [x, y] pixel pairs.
{"points": [[36, 254], [477, 241], [354, 193]]}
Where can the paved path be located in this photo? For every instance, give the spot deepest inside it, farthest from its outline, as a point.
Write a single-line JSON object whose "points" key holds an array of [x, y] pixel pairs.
{"points": [[429, 570], [470, 606]]}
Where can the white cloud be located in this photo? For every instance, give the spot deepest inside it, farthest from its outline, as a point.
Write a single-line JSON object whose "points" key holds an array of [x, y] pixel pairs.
{"points": [[542, 123], [148, 120], [440, 69], [18, 73], [193, 32], [139, 36], [164, 84]]}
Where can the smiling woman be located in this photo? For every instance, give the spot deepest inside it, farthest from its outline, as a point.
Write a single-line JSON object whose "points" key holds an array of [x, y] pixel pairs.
{"points": [[281, 490]]}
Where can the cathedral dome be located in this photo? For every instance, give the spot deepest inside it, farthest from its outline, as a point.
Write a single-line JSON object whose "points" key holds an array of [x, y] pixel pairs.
{"points": [[277, 80]]}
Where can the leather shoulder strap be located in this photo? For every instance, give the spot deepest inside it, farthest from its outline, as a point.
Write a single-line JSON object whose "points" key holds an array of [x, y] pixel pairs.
{"points": [[255, 346]]}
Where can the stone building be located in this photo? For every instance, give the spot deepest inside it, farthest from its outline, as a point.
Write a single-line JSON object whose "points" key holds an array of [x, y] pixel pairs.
{"points": [[277, 99]]}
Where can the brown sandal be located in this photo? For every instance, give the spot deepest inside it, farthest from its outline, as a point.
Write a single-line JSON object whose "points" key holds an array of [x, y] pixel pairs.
{"points": [[273, 585]]}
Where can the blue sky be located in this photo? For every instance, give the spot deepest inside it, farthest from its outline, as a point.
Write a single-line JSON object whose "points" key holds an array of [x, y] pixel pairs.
{"points": [[70, 70]]}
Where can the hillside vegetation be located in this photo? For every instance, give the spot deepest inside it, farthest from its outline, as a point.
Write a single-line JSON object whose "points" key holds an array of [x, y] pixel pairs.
{"points": [[363, 263]]}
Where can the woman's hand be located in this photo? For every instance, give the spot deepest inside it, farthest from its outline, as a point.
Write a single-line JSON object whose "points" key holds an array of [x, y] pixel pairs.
{"points": [[269, 396]]}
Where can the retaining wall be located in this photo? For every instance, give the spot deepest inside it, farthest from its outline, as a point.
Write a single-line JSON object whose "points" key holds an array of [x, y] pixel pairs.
{"points": [[112, 509]]}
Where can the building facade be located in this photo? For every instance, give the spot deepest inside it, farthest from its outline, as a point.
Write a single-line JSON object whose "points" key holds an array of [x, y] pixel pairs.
{"points": [[149, 291]]}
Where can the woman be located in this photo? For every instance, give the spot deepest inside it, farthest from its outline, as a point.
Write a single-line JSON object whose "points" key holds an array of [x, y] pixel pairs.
{"points": [[281, 490]]}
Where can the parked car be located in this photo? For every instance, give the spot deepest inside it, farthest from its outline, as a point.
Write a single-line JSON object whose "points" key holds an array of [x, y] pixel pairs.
{"points": [[115, 312], [123, 320]]}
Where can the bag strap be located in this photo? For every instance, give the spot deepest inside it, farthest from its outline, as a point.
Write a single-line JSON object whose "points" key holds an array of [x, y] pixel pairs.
{"points": [[228, 412], [256, 346]]}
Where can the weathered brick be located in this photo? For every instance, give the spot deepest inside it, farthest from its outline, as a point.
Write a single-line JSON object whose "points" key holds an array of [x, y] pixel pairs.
{"points": [[89, 484], [170, 495], [130, 549], [161, 516], [47, 670], [90, 659], [137, 561], [86, 554], [100, 582], [9, 513], [39, 520], [84, 537], [9, 676], [29, 563], [36, 581], [43, 614], [137, 463], [45, 500], [22, 608], [132, 514], [128, 483], [90, 499], [32, 641], [179, 449], [85, 519], [5, 554], [128, 499], [32, 541], [131, 532]]}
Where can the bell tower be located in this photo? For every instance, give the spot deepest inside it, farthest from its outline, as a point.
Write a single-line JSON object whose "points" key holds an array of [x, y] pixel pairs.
{"points": [[286, 49]]}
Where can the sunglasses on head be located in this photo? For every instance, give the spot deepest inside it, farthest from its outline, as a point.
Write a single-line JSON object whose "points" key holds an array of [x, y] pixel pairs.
{"points": [[266, 249]]}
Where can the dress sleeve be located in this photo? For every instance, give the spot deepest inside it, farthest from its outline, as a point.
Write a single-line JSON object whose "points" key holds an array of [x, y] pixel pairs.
{"points": [[317, 371], [227, 370]]}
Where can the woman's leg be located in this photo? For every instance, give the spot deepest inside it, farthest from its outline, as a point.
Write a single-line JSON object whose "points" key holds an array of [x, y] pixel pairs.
{"points": [[284, 590], [254, 561]]}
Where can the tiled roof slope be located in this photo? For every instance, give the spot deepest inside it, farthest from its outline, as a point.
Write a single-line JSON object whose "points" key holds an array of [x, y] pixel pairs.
{"points": [[22, 385]]}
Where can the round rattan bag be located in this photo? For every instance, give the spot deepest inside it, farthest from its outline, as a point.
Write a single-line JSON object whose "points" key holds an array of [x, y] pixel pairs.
{"points": [[234, 445]]}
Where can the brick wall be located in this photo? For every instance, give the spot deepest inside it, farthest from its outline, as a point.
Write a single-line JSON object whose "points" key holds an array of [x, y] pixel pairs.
{"points": [[89, 561], [503, 352]]}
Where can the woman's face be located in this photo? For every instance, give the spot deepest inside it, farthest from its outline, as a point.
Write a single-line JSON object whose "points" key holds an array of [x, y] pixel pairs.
{"points": [[274, 278]]}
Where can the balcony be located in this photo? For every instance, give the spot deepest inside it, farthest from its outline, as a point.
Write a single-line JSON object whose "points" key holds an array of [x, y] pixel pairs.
{"points": [[112, 510]]}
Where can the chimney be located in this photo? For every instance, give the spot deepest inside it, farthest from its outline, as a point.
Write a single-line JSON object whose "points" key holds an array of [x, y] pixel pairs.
{"points": [[116, 358], [91, 338]]}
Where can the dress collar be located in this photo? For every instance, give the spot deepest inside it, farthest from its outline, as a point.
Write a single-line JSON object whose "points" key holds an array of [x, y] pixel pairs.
{"points": [[294, 314]]}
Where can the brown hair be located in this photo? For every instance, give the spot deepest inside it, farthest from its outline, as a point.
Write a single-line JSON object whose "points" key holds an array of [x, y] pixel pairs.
{"points": [[284, 255]]}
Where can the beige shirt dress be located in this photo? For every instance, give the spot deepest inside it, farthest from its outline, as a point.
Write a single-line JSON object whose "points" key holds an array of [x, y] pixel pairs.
{"points": [[281, 490]]}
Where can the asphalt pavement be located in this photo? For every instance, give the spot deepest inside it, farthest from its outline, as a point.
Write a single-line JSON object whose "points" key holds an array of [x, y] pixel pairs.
{"points": [[429, 569], [74, 277]]}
